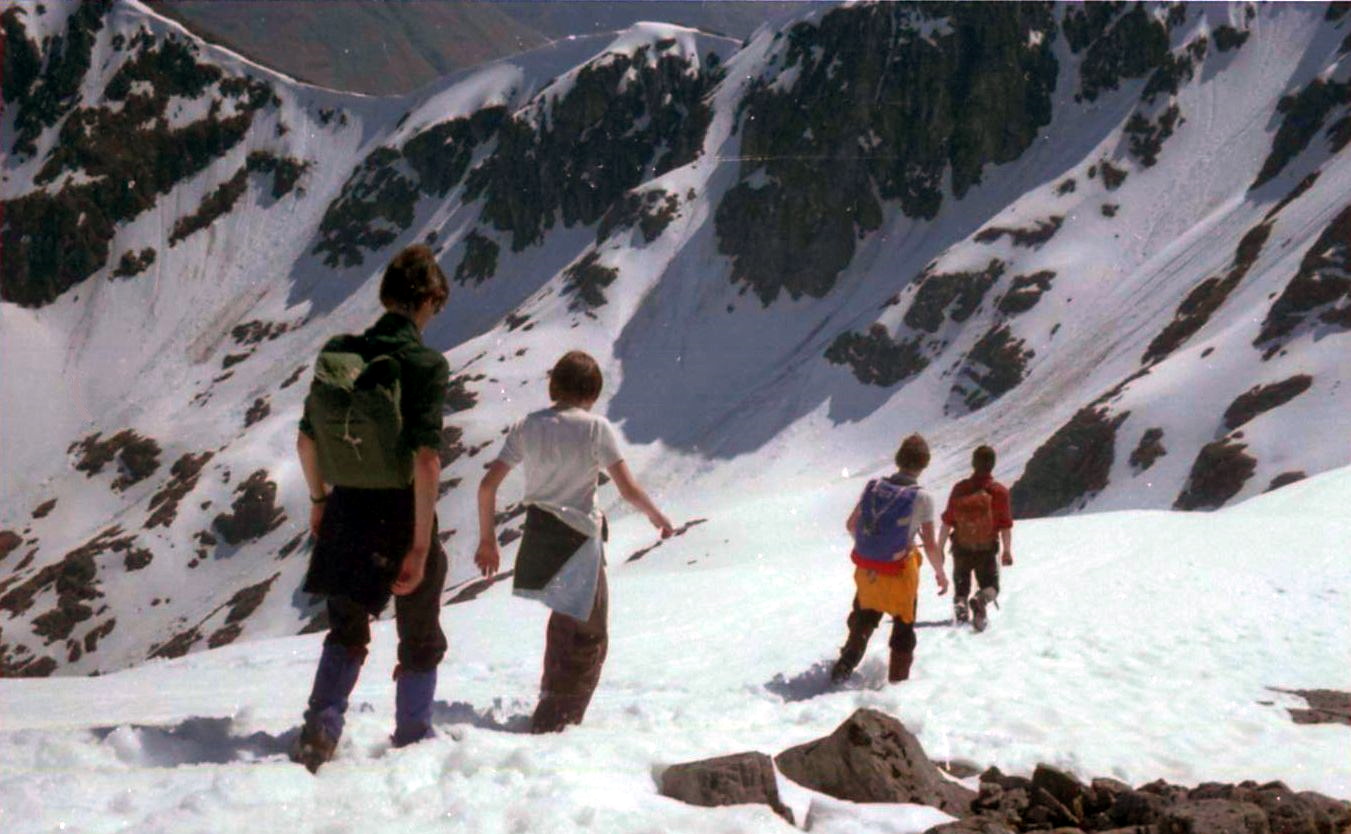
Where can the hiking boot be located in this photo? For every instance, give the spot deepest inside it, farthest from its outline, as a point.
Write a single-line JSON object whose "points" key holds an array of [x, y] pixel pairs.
{"points": [[851, 653], [959, 612], [899, 670], [313, 747], [979, 619]]}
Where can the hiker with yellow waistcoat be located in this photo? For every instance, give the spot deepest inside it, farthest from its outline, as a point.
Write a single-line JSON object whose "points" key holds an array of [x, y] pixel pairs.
{"points": [[884, 524]]}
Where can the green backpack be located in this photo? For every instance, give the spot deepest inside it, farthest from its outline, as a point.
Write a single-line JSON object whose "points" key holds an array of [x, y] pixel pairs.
{"points": [[353, 408]]}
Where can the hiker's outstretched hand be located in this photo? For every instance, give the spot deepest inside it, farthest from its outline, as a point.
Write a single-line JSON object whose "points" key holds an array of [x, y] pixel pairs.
{"points": [[1007, 559], [942, 579], [488, 557], [410, 573], [662, 523]]}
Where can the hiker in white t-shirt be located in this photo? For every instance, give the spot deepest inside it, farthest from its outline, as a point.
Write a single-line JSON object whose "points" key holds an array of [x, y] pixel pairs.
{"points": [[564, 448]]}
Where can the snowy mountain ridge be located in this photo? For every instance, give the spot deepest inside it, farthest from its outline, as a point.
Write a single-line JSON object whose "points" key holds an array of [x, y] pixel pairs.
{"points": [[1125, 264]]}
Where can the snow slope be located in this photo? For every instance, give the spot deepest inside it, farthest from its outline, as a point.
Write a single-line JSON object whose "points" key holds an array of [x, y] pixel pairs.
{"points": [[722, 396], [1132, 644]]}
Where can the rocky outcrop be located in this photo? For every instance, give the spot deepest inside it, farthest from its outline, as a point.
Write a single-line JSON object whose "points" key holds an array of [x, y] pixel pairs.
{"points": [[1150, 449], [993, 367], [1024, 292], [1303, 115], [586, 281], [1262, 398], [123, 155], [183, 477], [1320, 292], [1072, 464], [876, 358], [1219, 472], [254, 513], [570, 157], [1207, 297], [132, 263], [886, 102], [739, 779], [218, 202], [950, 295], [379, 199], [872, 757], [137, 456]]}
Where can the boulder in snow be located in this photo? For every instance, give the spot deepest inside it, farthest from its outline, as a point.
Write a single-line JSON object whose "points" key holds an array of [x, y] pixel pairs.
{"points": [[738, 779]]}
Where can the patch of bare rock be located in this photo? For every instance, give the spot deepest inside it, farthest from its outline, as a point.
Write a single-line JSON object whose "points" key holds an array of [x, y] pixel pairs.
{"points": [[871, 757]]}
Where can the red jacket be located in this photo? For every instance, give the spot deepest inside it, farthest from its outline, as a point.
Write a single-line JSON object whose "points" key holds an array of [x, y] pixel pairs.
{"points": [[999, 500]]}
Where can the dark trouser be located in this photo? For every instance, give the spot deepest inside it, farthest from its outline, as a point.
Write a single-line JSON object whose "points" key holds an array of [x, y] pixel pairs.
{"points": [[574, 652], [985, 565], [417, 617], [862, 623]]}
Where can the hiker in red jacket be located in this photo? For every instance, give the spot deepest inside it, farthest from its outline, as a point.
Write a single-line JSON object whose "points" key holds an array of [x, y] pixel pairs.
{"points": [[979, 521]]}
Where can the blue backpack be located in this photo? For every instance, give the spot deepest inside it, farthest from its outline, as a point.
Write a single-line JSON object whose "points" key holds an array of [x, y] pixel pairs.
{"points": [[884, 526]]}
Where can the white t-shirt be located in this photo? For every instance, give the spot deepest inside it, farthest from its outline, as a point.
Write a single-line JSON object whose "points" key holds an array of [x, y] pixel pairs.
{"points": [[564, 450]]}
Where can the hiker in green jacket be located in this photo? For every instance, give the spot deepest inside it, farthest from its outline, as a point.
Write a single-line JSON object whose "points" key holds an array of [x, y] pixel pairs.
{"points": [[369, 447]]}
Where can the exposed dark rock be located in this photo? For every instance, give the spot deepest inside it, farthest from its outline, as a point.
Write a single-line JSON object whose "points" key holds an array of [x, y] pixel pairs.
{"points": [[1262, 398], [1074, 463], [254, 513], [1285, 479], [286, 171], [1132, 47], [97, 633], [60, 621], [293, 378], [215, 204], [879, 111], [624, 119], [508, 536], [954, 295], [258, 411], [480, 259], [43, 94], [1295, 193], [177, 646], [1109, 209], [1214, 816], [1207, 297], [32, 667], [183, 479], [1326, 706], [980, 824], [586, 280], [1112, 176], [1219, 472], [1227, 38], [452, 445], [652, 211], [256, 332], [9, 541], [739, 779], [876, 358], [1175, 70], [994, 366], [44, 509], [246, 600], [375, 206], [1147, 138], [871, 757], [1032, 237], [133, 263], [1320, 292], [291, 546], [1149, 450], [126, 153], [224, 636], [74, 578], [1024, 292], [1066, 186], [1303, 115], [137, 558], [458, 395]]}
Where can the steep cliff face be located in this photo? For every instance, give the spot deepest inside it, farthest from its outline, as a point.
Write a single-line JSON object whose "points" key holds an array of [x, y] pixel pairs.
{"points": [[1109, 239]]}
